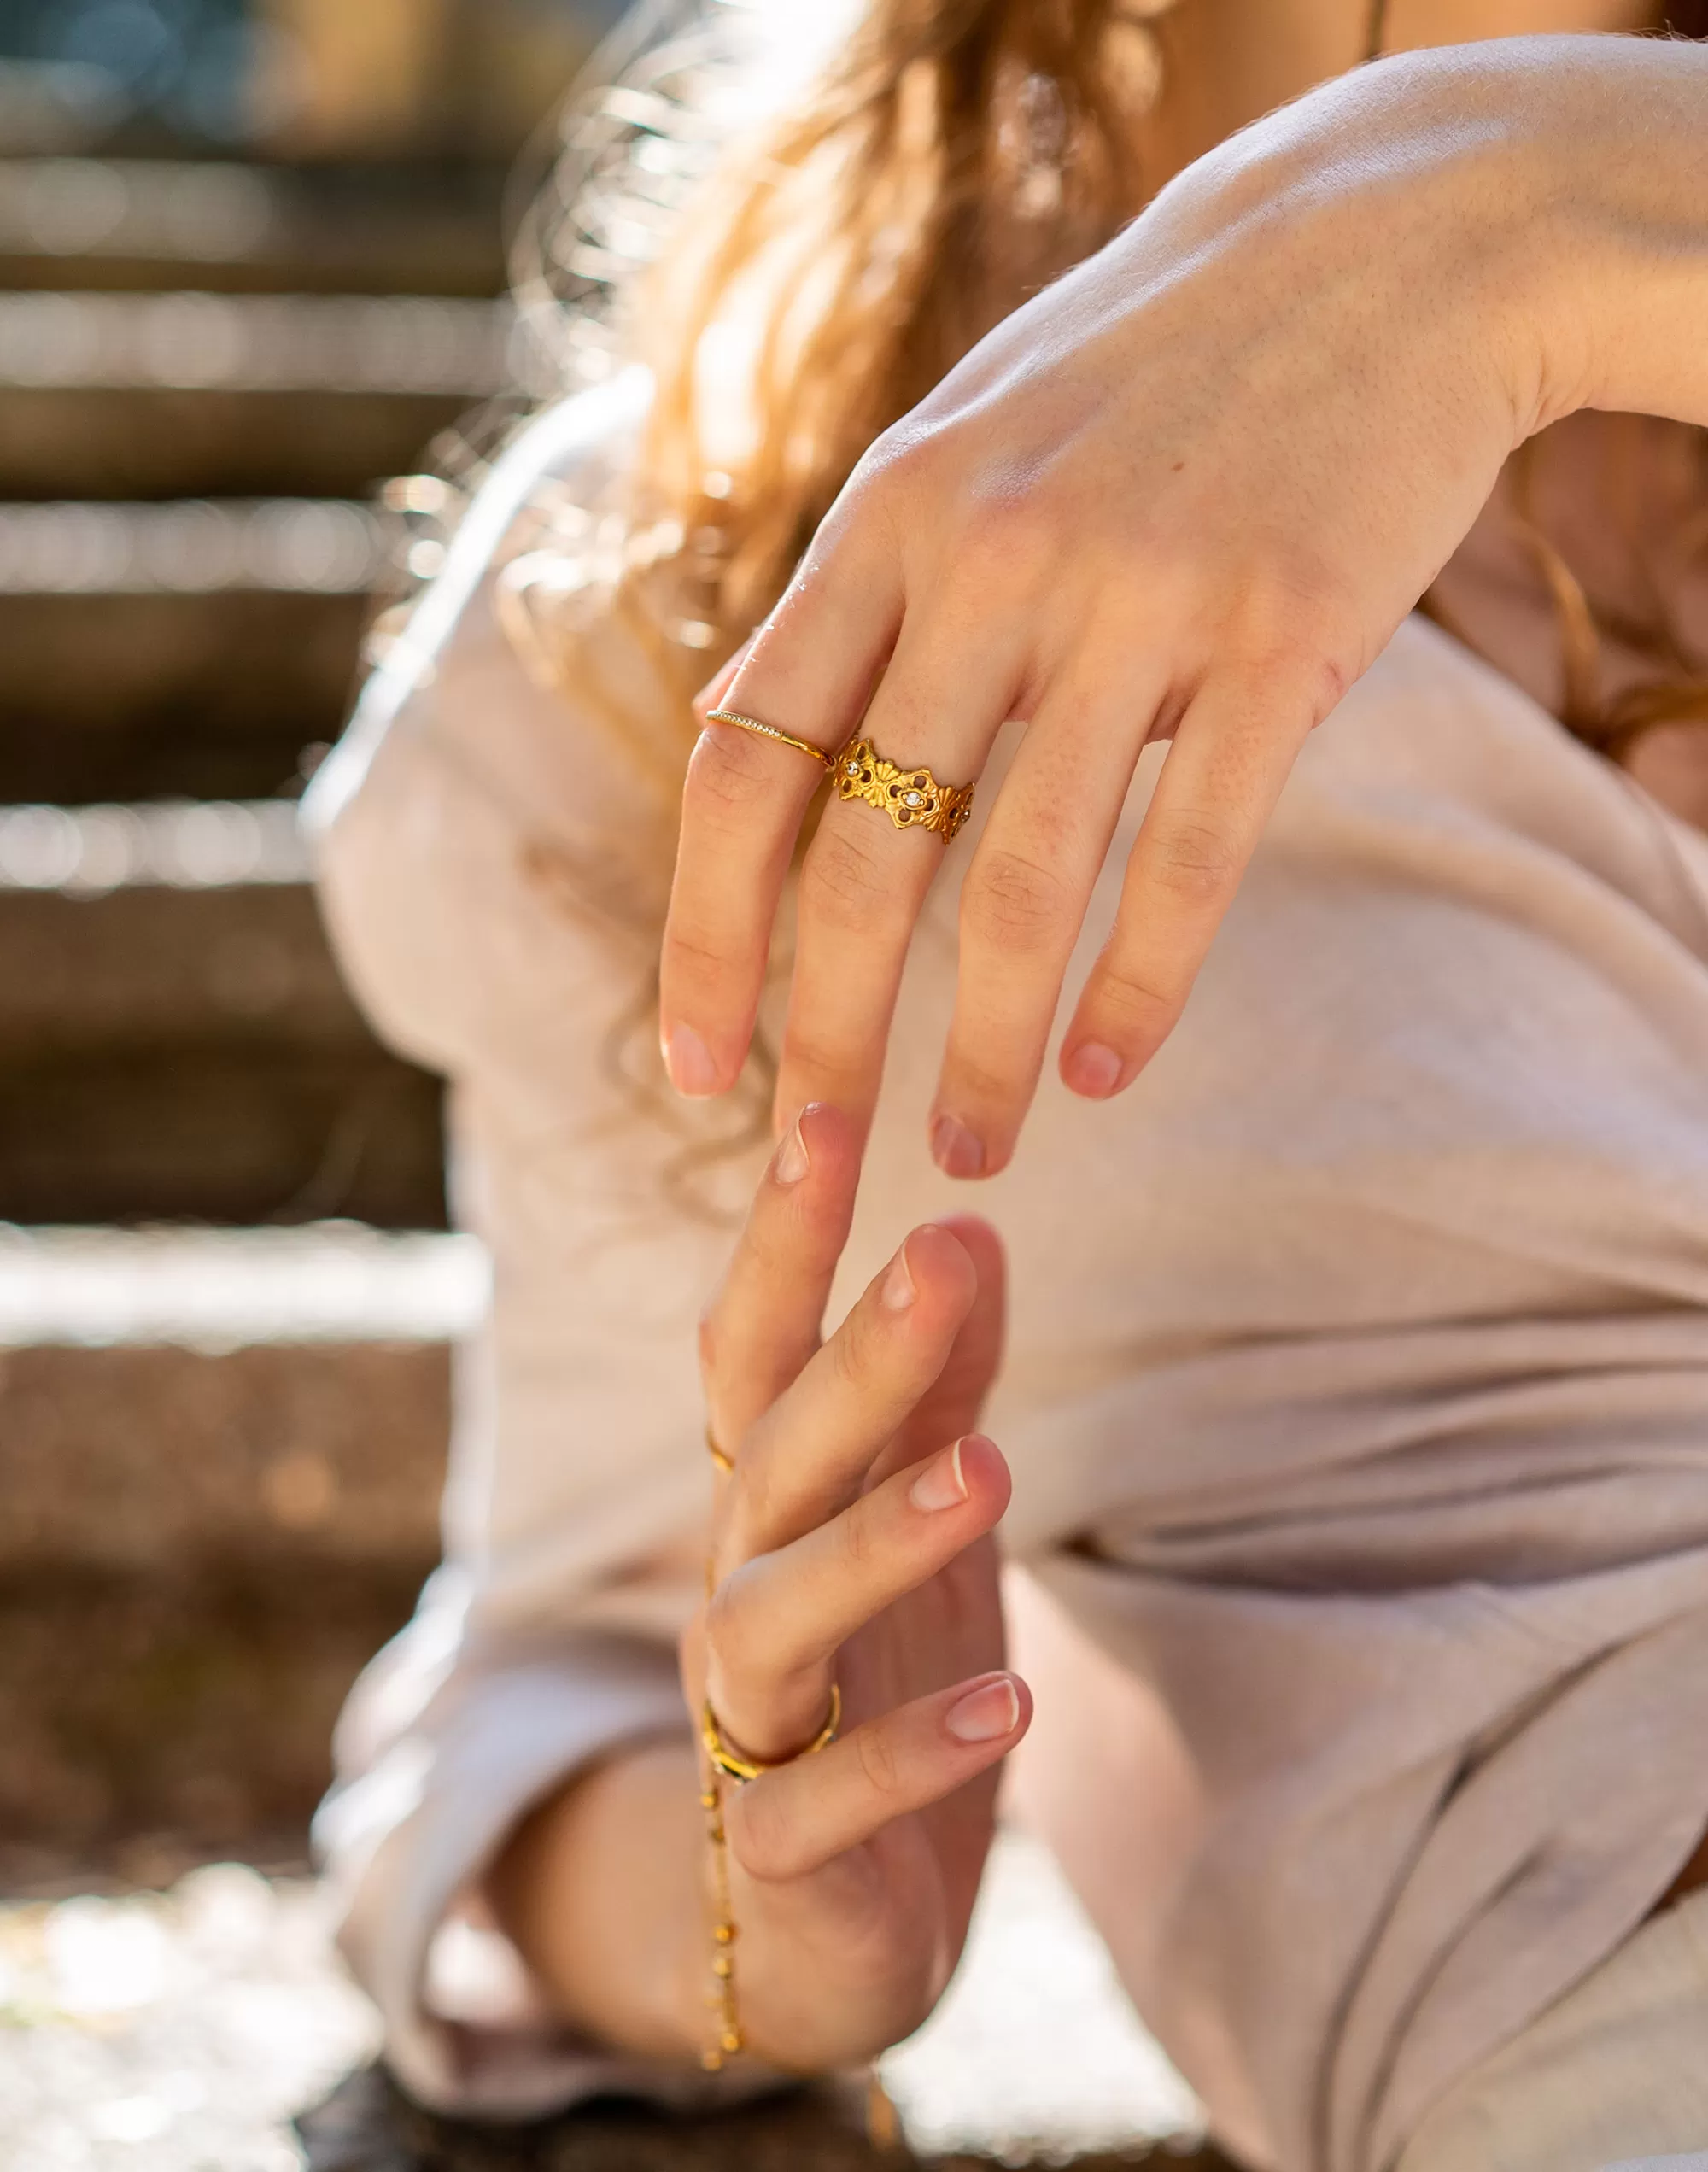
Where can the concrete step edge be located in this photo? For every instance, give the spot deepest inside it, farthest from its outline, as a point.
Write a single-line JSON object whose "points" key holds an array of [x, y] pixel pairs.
{"points": [[194, 547], [216, 1290], [175, 844], [189, 341]]}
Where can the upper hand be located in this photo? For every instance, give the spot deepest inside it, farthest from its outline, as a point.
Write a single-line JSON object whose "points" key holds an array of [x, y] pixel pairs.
{"points": [[1187, 492]]}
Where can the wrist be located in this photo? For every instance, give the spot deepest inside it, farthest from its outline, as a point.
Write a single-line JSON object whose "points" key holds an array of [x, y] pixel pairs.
{"points": [[1614, 186], [601, 1890], [1543, 199]]}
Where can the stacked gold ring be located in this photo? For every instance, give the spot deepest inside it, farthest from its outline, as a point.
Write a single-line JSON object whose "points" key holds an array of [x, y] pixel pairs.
{"points": [[911, 797], [743, 1769]]}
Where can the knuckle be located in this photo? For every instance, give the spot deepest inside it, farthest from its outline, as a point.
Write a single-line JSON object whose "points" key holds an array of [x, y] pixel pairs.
{"points": [[1013, 901], [735, 1637], [1010, 523], [905, 461], [1293, 633], [840, 1069], [879, 1762], [687, 952], [1141, 1007], [725, 1626], [857, 1541], [844, 882], [756, 1512], [764, 1838], [1192, 860], [851, 1352], [726, 776], [978, 1083]]}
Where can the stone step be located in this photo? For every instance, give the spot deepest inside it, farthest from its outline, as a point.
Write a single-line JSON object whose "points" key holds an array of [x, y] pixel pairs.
{"points": [[193, 647], [221, 1453], [175, 1039], [171, 1398], [194, 394], [150, 223]]}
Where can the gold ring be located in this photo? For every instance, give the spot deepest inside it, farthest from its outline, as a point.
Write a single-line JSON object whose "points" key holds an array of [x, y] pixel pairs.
{"points": [[752, 1768], [912, 799], [770, 731], [721, 1457]]}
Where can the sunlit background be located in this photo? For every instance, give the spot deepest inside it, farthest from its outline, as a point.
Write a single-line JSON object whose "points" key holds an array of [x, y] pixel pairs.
{"points": [[251, 267]]}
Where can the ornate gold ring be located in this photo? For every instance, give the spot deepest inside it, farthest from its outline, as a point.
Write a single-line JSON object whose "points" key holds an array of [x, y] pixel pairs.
{"points": [[744, 1769], [912, 799]]}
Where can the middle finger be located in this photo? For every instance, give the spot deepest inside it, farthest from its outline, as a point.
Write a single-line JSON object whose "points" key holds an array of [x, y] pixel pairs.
{"points": [[939, 706], [763, 1324], [808, 1457]]}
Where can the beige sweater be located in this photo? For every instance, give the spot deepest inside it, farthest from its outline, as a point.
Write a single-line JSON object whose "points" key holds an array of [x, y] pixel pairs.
{"points": [[1356, 1398]]}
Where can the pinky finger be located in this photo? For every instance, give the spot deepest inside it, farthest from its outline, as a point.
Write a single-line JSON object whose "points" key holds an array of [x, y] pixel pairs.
{"points": [[799, 1819]]}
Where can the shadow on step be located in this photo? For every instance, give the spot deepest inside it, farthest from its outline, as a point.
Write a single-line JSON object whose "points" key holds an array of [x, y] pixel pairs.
{"points": [[367, 2126]]}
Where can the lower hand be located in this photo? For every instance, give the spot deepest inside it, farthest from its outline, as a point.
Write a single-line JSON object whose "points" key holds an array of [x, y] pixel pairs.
{"points": [[852, 1546]]}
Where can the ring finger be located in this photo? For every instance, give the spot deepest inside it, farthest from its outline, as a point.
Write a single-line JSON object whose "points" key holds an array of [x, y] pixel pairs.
{"points": [[796, 1820]]}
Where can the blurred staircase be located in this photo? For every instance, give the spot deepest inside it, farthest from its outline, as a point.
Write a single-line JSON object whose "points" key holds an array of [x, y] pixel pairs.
{"points": [[224, 1306]]}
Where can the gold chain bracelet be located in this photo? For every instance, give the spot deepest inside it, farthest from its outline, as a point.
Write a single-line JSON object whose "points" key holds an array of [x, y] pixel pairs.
{"points": [[726, 2033], [726, 2039], [720, 1766]]}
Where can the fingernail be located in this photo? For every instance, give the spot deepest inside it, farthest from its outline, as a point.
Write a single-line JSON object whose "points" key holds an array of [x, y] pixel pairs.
{"points": [[1093, 1070], [688, 1061], [793, 1160], [941, 1483], [899, 1292], [983, 1714], [955, 1150]]}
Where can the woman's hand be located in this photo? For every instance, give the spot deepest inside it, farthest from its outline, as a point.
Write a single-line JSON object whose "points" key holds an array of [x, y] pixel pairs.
{"points": [[852, 1546], [1188, 492]]}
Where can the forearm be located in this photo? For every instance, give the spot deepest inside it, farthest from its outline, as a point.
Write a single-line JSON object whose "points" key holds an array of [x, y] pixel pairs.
{"points": [[601, 1890]]}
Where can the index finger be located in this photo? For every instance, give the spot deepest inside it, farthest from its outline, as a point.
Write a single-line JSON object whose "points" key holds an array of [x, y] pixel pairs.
{"points": [[763, 1324], [807, 676]]}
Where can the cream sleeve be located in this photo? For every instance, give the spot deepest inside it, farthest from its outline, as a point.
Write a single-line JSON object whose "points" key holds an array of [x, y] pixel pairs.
{"points": [[461, 828]]}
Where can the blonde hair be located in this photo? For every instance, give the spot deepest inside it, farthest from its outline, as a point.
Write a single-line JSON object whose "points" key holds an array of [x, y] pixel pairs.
{"points": [[952, 157]]}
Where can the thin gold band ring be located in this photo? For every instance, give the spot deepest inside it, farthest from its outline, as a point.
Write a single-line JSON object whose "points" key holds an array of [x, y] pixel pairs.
{"points": [[743, 1769], [721, 1457], [770, 731]]}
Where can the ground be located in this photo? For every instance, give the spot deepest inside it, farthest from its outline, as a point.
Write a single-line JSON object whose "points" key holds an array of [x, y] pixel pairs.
{"points": [[208, 2027]]}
